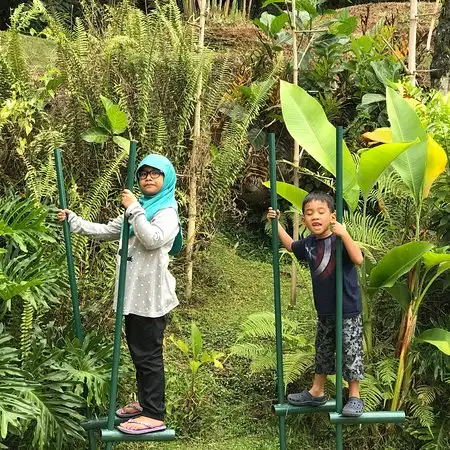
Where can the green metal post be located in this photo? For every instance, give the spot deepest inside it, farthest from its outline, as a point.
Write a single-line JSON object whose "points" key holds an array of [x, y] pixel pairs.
{"points": [[70, 265], [339, 214], [276, 285], [71, 270], [120, 297]]}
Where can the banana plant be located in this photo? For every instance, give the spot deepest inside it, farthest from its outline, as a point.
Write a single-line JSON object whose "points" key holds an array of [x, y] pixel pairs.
{"points": [[386, 275], [418, 167], [405, 148], [196, 356]]}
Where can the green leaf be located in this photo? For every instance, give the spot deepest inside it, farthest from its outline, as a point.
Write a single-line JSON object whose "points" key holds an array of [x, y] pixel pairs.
{"points": [[278, 23], [103, 122], [386, 71], [269, 2], [196, 341], [374, 162], [117, 118], [396, 263], [97, 135], [261, 25], [345, 26], [310, 6], [122, 142], [431, 259], [406, 127], [308, 125], [401, 293], [442, 268], [367, 99], [181, 345], [438, 337], [194, 365], [289, 192]]}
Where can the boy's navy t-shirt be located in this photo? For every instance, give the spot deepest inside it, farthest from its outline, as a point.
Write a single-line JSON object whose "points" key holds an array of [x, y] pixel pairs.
{"points": [[321, 256]]}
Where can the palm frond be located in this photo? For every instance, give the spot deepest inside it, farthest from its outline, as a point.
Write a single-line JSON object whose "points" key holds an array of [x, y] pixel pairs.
{"points": [[23, 221], [57, 420]]}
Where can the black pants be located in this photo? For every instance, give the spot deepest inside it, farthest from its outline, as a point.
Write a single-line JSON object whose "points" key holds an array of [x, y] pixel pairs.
{"points": [[145, 339]]}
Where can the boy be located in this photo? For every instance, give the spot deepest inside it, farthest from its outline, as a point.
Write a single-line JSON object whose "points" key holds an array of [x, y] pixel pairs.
{"points": [[319, 249]]}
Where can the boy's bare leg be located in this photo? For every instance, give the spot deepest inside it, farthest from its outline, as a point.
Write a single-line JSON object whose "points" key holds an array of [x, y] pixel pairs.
{"points": [[353, 388], [318, 387]]}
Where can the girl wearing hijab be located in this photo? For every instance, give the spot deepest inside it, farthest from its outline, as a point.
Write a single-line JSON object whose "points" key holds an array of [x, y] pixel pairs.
{"points": [[155, 234]]}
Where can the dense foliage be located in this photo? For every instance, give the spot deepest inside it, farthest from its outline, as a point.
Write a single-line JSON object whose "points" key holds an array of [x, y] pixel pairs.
{"points": [[115, 73]]}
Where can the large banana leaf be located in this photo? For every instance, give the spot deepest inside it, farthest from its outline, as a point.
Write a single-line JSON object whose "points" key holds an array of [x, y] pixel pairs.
{"points": [[431, 259], [435, 164], [309, 126], [383, 135], [401, 293], [289, 192], [406, 127], [397, 262], [375, 161], [436, 158], [438, 337]]}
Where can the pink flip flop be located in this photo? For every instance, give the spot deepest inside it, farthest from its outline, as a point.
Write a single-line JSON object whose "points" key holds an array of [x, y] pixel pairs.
{"points": [[124, 415], [148, 428]]}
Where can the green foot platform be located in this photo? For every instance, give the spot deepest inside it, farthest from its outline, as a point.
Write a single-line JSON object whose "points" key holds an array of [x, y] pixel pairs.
{"points": [[283, 409], [369, 417], [118, 436]]}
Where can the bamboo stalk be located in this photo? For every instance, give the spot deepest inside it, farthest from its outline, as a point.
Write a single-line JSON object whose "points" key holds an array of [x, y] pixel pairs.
{"points": [[433, 21], [412, 41], [194, 162], [227, 8], [295, 155]]}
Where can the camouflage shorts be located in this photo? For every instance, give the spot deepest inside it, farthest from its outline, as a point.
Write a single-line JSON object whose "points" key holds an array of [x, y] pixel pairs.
{"points": [[352, 356]]}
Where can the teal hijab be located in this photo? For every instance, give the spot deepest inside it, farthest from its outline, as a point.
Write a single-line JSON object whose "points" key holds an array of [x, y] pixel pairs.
{"points": [[165, 198]]}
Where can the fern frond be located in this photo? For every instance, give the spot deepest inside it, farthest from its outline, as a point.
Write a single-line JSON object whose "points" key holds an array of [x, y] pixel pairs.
{"points": [[102, 186], [369, 230], [267, 361], [249, 350], [226, 166], [295, 365], [370, 393], [387, 371], [423, 413], [262, 325], [25, 329]]}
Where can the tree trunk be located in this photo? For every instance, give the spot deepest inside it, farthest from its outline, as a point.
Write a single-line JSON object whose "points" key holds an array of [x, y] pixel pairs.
{"points": [[295, 155], [440, 64], [194, 164]]}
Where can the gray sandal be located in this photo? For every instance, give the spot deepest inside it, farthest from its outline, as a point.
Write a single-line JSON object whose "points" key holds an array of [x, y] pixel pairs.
{"points": [[353, 408], [306, 399]]}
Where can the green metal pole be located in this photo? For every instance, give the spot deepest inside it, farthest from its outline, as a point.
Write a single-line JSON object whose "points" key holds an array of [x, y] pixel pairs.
{"points": [[339, 214], [71, 270], [120, 297], [70, 265], [276, 286]]}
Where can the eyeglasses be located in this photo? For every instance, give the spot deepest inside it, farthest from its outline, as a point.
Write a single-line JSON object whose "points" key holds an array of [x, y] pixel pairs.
{"points": [[154, 174]]}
